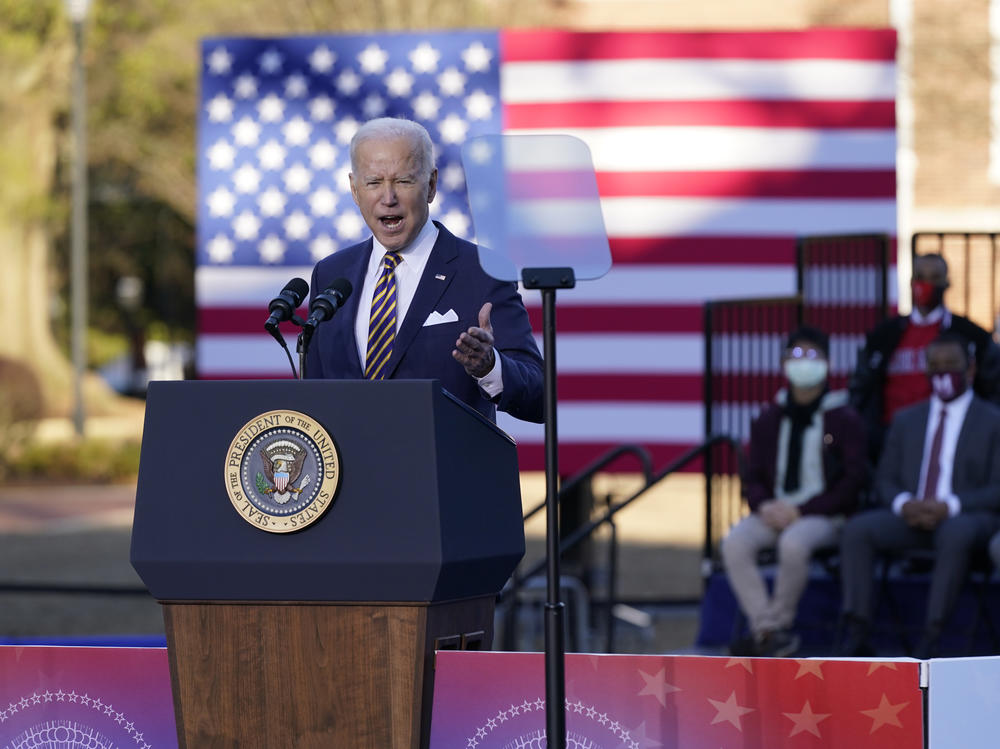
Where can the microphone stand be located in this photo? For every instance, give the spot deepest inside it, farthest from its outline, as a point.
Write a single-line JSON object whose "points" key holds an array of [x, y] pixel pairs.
{"points": [[301, 346], [547, 280]]}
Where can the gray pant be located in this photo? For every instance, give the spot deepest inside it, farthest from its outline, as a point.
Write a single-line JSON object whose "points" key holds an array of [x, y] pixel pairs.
{"points": [[953, 541], [795, 545]]}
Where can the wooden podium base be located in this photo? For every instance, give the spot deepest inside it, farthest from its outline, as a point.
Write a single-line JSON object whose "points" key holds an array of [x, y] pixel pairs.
{"points": [[313, 675]]}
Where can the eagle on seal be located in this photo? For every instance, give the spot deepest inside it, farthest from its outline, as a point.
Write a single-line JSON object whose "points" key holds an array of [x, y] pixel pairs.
{"points": [[283, 462]]}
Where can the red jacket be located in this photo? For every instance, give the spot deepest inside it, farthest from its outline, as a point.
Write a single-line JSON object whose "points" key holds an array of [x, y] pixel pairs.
{"points": [[845, 458]]}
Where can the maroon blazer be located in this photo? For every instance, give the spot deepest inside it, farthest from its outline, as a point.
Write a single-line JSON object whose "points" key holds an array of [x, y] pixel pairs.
{"points": [[845, 461]]}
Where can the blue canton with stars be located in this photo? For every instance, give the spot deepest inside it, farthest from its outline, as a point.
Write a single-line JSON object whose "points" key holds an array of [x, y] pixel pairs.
{"points": [[277, 116]]}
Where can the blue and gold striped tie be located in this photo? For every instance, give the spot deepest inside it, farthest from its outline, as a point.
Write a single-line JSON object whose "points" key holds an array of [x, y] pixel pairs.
{"points": [[382, 322]]}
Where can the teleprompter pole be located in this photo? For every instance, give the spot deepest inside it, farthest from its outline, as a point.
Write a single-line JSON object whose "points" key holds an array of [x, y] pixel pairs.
{"points": [[547, 280]]}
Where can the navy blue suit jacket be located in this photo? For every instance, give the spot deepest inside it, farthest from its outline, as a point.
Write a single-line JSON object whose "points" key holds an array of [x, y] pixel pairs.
{"points": [[452, 280]]}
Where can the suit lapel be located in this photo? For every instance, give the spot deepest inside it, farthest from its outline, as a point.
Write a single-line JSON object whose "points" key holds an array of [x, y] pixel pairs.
{"points": [[437, 276], [346, 338], [969, 430], [915, 446]]}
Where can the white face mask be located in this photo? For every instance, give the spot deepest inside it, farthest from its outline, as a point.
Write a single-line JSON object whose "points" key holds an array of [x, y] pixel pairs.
{"points": [[806, 373]]}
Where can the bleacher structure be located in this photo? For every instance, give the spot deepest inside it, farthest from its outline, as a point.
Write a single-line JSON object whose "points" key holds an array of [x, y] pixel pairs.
{"points": [[843, 287]]}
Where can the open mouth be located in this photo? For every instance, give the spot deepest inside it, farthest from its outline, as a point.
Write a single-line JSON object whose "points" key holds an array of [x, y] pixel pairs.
{"points": [[391, 223]]}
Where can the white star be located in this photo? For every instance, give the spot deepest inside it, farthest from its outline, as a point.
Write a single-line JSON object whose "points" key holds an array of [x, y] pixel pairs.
{"points": [[729, 711], [221, 249], [348, 83], [270, 61], [220, 108], [453, 177], [221, 155], [424, 58], [246, 132], [246, 179], [480, 152], [245, 86], [453, 129], [657, 686], [321, 108], [322, 59], [477, 57], [373, 59], [479, 105], [246, 226], [298, 178], [373, 106], [221, 202], [297, 131], [298, 225], [426, 106], [320, 247], [399, 83], [295, 86], [451, 82], [457, 222], [323, 201], [346, 128], [220, 61], [342, 178], [271, 108], [271, 202], [271, 249], [349, 225], [272, 155], [323, 154]]}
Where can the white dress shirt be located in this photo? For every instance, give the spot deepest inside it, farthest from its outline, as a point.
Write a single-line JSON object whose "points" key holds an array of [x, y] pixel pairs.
{"points": [[956, 410], [413, 260]]}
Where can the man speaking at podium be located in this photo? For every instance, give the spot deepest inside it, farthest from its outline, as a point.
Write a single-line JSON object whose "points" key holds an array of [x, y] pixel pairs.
{"points": [[422, 306]]}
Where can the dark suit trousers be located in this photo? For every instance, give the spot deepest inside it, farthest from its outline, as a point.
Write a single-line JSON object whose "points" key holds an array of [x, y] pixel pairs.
{"points": [[954, 542]]}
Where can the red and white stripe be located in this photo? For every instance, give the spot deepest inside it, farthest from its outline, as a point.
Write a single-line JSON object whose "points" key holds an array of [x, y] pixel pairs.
{"points": [[713, 153]]}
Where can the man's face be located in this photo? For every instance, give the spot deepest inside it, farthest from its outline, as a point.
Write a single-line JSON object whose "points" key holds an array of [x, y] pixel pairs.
{"points": [[930, 269], [945, 357], [391, 189]]}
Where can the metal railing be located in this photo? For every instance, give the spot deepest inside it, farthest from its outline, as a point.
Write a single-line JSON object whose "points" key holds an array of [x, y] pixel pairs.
{"points": [[843, 281], [508, 597], [972, 267]]}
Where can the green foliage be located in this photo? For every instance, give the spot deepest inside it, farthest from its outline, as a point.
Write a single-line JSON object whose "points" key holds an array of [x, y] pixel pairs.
{"points": [[28, 20], [89, 460], [103, 346], [262, 486]]}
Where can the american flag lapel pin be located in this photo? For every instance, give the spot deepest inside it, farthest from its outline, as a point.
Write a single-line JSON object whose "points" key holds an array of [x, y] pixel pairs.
{"points": [[439, 277]]}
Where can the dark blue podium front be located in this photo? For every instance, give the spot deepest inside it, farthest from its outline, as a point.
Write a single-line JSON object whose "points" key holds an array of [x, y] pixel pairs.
{"points": [[428, 507]]}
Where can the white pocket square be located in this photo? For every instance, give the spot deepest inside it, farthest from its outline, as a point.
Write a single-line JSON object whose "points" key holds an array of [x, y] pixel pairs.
{"points": [[436, 318]]}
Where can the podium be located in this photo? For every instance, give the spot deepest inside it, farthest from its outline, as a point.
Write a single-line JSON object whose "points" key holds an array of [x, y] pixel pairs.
{"points": [[323, 636]]}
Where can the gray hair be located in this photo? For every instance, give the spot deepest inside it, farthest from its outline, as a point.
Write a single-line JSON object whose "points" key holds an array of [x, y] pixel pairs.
{"points": [[396, 127]]}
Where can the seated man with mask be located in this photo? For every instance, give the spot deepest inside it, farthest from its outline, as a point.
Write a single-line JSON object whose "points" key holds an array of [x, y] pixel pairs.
{"points": [[806, 465], [939, 482]]}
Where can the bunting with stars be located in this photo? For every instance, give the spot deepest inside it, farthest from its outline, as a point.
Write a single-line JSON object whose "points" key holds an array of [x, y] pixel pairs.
{"points": [[496, 700], [713, 151], [86, 697]]}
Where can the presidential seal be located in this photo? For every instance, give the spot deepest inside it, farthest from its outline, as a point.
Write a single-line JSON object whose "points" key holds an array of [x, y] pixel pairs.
{"points": [[282, 471]]}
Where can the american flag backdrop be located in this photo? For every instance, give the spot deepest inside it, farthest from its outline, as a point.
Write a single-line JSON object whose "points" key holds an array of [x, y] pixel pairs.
{"points": [[713, 152]]}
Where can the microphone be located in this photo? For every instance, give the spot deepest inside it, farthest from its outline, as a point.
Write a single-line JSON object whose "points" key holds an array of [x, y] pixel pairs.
{"points": [[326, 304], [283, 306]]}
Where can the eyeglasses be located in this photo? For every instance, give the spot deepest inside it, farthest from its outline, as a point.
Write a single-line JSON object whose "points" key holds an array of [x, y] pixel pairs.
{"points": [[797, 352]]}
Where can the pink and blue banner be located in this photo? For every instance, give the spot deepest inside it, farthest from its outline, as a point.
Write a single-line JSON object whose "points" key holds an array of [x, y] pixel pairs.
{"points": [[497, 701], [85, 697]]}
